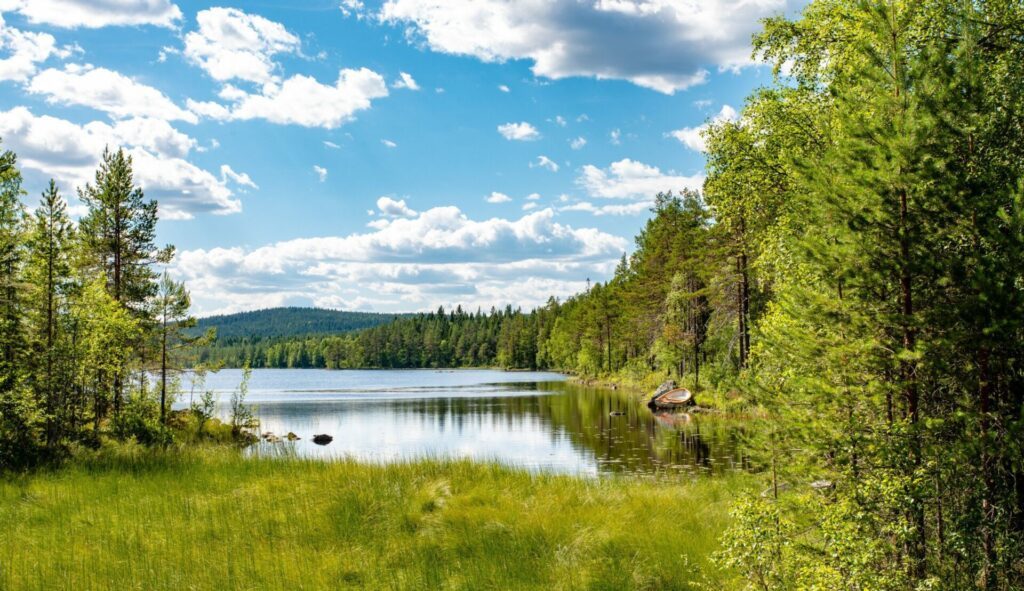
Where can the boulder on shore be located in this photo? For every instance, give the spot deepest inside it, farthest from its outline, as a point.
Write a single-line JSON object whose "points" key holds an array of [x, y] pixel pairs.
{"points": [[322, 439]]}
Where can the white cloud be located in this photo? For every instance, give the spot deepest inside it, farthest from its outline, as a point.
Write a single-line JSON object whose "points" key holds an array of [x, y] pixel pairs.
{"points": [[533, 197], [24, 51], [504, 88], [394, 208], [522, 131], [600, 210], [560, 121], [577, 143], [155, 135], [389, 143], [241, 178], [352, 8], [405, 81], [496, 197], [92, 14], [693, 137], [164, 52], [664, 45], [52, 147], [321, 172], [107, 91], [458, 260], [301, 100], [615, 137], [628, 179], [331, 145], [208, 109], [231, 44], [545, 162], [529, 205]]}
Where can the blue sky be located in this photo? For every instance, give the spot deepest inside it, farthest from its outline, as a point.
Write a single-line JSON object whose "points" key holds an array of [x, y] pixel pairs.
{"points": [[387, 156]]}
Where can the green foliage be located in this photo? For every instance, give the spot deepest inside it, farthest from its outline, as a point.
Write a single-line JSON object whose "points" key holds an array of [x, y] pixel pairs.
{"points": [[886, 356], [242, 416]]}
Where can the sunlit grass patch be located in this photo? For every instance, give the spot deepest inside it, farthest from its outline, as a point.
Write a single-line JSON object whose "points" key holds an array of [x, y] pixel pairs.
{"points": [[211, 519]]}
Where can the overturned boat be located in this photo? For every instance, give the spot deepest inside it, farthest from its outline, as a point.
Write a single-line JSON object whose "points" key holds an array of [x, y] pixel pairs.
{"points": [[668, 397]]}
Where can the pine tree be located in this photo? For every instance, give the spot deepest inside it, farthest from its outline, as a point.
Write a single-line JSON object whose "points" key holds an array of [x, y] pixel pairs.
{"points": [[118, 241], [48, 276]]}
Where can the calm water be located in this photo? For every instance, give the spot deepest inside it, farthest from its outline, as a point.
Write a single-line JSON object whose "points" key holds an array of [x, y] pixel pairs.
{"points": [[528, 419]]}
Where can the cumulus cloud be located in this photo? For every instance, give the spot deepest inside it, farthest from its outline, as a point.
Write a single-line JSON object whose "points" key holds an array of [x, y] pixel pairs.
{"points": [[664, 45], [522, 131], [331, 145], [627, 179], [231, 44], [21, 52], [302, 100], [578, 143], [496, 197], [108, 91], [504, 88], [154, 135], [439, 256], [389, 143], [70, 153], [545, 162], [394, 208], [405, 81], [321, 172], [693, 137], [93, 14]]}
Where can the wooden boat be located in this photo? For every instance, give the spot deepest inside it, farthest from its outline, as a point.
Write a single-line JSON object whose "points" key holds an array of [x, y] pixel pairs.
{"points": [[674, 398]]}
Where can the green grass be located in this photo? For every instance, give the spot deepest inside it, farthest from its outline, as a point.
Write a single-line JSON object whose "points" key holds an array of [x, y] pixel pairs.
{"points": [[211, 519]]}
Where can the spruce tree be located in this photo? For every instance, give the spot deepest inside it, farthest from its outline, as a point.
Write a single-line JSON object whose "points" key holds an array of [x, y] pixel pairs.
{"points": [[48, 282]]}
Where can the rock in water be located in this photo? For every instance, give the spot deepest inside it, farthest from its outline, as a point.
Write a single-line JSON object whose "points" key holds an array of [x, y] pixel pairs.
{"points": [[322, 439]]}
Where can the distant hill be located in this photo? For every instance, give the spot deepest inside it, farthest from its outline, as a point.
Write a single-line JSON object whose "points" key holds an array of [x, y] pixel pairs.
{"points": [[289, 322]]}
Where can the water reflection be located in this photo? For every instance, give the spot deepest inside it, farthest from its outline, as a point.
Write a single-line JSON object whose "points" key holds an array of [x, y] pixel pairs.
{"points": [[532, 420]]}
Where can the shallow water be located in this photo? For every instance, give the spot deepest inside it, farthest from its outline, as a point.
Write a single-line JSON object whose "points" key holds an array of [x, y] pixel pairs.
{"points": [[534, 420]]}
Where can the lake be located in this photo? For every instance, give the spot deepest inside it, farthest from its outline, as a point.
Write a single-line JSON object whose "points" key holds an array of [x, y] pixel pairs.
{"points": [[533, 420]]}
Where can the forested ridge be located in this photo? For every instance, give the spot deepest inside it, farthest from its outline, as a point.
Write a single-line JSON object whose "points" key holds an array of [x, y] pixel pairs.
{"points": [[287, 322], [853, 268]]}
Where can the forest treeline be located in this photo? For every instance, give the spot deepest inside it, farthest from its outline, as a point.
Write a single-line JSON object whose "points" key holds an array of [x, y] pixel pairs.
{"points": [[671, 307]]}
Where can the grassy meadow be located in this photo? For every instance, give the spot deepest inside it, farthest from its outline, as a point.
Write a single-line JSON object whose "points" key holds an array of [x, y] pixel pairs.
{"points": [[131, 518]]}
